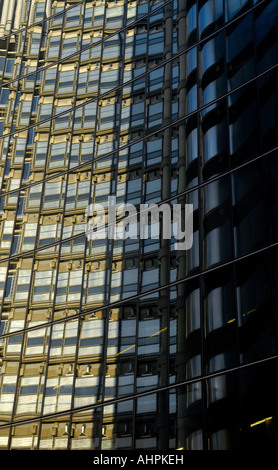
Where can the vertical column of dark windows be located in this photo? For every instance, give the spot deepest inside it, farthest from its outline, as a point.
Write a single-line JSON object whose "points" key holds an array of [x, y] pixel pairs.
{"points": [[254, 305], [223, 411], [6, 64], [164, 254], [220, 320], [11, 265], [197, 364], [17, 287], [17, 234], [53, 289], [259, 423], [136, 164], [189, 425], [109, 265], [10, 142], [187, 342], [81, 261], [146, 359], [113, 366]]}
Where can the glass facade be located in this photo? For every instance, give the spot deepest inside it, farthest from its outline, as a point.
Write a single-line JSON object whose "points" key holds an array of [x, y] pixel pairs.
{"points": [[130, 344]]}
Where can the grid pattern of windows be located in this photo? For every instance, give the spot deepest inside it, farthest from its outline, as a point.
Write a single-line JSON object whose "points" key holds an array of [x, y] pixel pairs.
{"points": [[131, 344]]}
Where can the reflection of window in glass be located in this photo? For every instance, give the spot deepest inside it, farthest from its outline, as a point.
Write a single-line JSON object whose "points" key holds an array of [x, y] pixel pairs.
{"points": [[3, 272], [156, 42], [114, 15], [65, 120], [86, 390], [23, 284], [85, 116], [7, 234], [233, 7], [49, 233], [37, 340], [49, 79], [91, 338], [112, 48], [154, 151], [109, 77], [212, 60], [96, 286], [193, 311], [8, 391], [210, 13], [140, 42], [215, 140], [58, 18], [45, 110], [58, 394], [89, 42], [29, 398], [58, 154], [108, 116], [54, 194], [35, 41], [25, 110], [155, 113], [88, 79], [150, 279], [244, 124], [217, 222], [40, 152], [43, 286], [29, 237], [66, 80], [73, 17], [78, 194], [54, 45], [240, 58], [70, 44]]}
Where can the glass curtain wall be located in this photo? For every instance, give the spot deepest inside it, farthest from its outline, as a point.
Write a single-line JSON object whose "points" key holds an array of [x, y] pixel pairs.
{"points": [[131, 344]]}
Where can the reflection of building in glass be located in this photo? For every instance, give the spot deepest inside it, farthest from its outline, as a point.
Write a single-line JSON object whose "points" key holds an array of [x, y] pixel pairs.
{"points": [[113, 344]]}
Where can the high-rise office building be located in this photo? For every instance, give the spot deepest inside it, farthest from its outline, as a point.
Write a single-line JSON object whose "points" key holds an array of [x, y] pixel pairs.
{"points": [[130, 343]]}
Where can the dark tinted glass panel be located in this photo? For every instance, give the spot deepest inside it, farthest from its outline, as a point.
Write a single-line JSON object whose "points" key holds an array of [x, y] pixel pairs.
{"points": [[244, 125], [220, 321], [259, 406], [266, 17], [217, 223], [240, 54], [271, 165], [223, 412], [249, 215], [214, 140], [212, 69], [268, 96], [254, 306]]}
